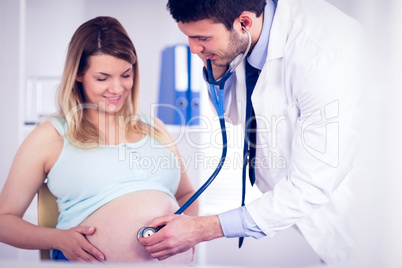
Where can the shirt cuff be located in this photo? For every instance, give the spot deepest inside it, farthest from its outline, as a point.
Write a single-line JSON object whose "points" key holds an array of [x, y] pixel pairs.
{"points": [[238, 223]]}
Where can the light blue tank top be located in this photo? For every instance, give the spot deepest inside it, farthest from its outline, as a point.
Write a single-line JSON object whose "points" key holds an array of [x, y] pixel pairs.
{"points": [[84, 180]]}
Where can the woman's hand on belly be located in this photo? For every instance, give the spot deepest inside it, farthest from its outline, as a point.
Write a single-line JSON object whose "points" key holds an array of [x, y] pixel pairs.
{"points": [[118, 222], [75, 246]]}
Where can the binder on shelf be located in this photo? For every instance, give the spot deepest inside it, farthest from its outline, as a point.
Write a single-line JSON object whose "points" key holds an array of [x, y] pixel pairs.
{"points": [[180, 85], [174, 90], [196, 83]]}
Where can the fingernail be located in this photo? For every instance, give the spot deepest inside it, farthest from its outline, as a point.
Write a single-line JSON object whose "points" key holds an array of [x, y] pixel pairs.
{"points": [[101, 257], [91, 229]]}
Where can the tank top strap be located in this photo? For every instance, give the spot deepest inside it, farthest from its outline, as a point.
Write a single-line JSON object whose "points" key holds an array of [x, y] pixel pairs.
{"points": [[146, 119], [59, 124]]}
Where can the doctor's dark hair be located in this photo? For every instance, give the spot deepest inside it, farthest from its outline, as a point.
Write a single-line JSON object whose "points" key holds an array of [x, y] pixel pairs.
{"points": [[219, 11], [98, 36]]}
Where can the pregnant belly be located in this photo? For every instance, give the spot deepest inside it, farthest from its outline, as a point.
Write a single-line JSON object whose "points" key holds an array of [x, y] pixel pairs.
{"points": [[118, 221]]}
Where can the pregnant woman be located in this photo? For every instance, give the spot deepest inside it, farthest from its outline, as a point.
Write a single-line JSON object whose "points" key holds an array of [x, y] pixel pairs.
{"points": [[111, 169]]}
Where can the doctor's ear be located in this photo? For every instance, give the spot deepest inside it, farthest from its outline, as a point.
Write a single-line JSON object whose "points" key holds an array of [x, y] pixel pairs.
{"points": [[246, 27], [245, 20], [79, 78]]}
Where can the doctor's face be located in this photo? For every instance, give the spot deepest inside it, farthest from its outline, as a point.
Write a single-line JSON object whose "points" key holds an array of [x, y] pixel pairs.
{"points": [[213, 41], [107, 82]]}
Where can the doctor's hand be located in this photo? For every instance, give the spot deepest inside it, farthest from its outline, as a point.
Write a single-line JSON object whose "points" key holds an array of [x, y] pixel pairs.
{"points": [[75, 246], [180, 234]]}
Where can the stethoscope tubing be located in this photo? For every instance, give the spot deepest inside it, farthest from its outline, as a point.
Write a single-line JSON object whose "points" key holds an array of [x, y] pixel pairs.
{"points": [[218, 102], [213, 176], [148, 231]]}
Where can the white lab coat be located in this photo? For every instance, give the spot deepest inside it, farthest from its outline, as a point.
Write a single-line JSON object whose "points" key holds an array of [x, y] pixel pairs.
{"points": [[305, 102]]}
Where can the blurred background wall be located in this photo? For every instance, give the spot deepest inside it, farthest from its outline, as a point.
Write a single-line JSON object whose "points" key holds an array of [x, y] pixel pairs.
{"points": [[34, 35]]}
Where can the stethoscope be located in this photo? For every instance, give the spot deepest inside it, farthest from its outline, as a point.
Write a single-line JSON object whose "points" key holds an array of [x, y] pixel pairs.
{"points": [[218, 102]]}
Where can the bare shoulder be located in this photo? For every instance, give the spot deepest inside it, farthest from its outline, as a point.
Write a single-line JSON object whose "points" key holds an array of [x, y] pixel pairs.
{"points": [[44, 144], [30, 167], [43, 134]]}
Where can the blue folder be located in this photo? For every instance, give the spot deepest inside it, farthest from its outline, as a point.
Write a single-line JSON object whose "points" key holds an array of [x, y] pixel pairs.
{"points": [[196, 84], [174, 90], [179, 86]]}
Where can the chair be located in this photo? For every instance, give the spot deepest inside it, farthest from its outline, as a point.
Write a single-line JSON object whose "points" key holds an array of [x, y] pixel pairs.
{"points": [[48, 213]]}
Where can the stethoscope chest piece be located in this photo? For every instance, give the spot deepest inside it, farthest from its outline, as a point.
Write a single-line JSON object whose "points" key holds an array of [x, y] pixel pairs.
{"points": [[145, 232]]}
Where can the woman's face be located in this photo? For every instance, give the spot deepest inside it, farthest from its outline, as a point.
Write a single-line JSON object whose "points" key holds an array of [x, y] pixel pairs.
{"points": [[107, 82]]}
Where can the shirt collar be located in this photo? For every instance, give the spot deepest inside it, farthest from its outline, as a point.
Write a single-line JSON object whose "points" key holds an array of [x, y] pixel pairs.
{"points": [[258, 56]]}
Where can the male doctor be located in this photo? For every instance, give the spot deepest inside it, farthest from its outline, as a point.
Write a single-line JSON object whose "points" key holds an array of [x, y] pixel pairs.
{"points": [[305, 55]]}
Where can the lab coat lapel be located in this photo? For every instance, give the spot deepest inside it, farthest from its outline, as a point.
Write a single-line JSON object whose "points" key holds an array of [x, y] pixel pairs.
{"points": [[241, 92], [274, 105], [279, 31], [271, 76]]}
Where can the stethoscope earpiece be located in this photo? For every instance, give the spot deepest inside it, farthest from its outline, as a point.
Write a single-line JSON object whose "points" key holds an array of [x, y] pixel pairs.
{"points": [[242, 26]]}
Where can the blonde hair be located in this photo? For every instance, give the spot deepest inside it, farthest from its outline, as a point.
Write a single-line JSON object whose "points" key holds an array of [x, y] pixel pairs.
{"points": [[106, 36]]}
